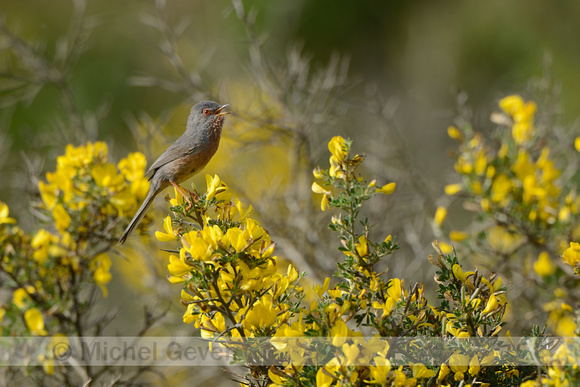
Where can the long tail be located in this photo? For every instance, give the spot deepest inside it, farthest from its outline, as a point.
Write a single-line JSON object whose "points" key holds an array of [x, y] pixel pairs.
{"points": [[139, 215]]}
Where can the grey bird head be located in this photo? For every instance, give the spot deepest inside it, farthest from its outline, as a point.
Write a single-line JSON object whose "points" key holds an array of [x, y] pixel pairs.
{"points": [[206, 115]]}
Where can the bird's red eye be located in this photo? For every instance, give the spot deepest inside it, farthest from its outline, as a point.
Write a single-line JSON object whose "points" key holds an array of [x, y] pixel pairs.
{"points": [[207, 112]]}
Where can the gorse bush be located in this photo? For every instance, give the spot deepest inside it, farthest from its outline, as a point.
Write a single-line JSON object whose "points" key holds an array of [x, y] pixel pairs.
{"points": [[234, 290]]}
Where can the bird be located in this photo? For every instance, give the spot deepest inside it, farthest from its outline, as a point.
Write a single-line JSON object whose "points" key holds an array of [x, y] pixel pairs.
{"points": [[188, 155]]}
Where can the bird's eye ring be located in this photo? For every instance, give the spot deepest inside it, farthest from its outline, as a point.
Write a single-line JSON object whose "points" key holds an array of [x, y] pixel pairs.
{"points": [[207, 112]]}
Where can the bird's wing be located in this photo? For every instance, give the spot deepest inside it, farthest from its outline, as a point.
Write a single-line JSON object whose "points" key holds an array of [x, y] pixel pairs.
{"points": [[176, 150]]}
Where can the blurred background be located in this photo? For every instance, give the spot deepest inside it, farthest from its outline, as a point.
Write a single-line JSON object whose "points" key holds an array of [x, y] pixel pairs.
{"points": [[391, 75]]}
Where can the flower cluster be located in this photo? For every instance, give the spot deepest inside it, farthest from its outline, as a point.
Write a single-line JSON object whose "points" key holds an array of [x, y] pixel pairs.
{"points": [[527, 219], [234, 292], [232, 284], [524, 207], [518, 172], [86, 202]]}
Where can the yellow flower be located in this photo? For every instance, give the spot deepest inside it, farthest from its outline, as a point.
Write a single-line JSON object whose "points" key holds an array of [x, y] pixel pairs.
{"points": [[380, 371], [339, 333], [458, 236], [500, 189], [522, 115], [337, 147], [169, 234], [440, 215], [459, 274], [577, 144], [215, 187], [48, 193], [443, 372], [491, 305], [35, 322], [22, 294], [522, 131], [61, 218], [572, 254], [446, 248], [4, 214], [262, 314], [351, 352], [106, 175], [323, 378], [421, 372], [133, 166], [177, 265], [452, 189], [481, 163], [458, 363], [474, 367], [324, 203], [387, 189], [394, 291], [316, 188], [454, 133], [102, 274], [320, 290], [543, 266], [485, 204], [362, 247], [511, 104], [236, 238]]}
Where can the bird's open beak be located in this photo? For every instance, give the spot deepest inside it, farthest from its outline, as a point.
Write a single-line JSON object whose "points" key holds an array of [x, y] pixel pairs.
{"points": [[219, 112]]}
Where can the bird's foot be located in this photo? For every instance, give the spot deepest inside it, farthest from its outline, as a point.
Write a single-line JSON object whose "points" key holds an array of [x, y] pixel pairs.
{"points": [[190, 197]]}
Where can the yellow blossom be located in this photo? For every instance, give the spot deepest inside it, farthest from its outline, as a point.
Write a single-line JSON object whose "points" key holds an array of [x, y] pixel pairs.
{"points": [[474, 366], [443, 372], [337, 147], [133, 166], [102, 274], [351, 352], [543, 266], [421, 372], [572, 254], [387, 189], [177, 266], [321, 290], [511, 104], [236, 237], [316, 188], [22, 294], [440, 215], [362, 247], [500, 189], [380, 371], [446, 248], [215, 187], [454, 133], [458, 236], [61, 218], [452, 189], [323, 378], [522, 131], [4, 214], [458, 363], [492, 304], [169, 234], [395, 290], [107, 175], [577, 144], [35, 322]]}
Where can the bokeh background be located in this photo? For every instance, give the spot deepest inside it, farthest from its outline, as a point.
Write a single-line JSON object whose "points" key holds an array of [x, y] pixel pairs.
{"points": [[391, 75]]}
